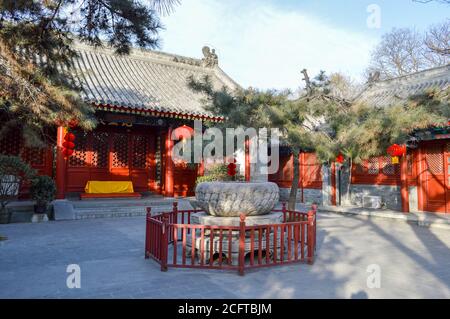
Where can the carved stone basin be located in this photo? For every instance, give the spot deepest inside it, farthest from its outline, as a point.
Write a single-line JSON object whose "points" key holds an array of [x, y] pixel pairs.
{"points": [[229, 199]]}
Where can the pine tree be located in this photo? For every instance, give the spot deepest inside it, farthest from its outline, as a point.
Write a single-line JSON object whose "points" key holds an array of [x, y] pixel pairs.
{"points": [[36, 55], [326, 124]]}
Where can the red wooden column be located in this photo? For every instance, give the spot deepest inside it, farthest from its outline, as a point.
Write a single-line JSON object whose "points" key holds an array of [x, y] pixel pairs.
{"points": [[247, 160], [169, 167], [201, 168], [333, 183], [60, 164], [302, 173], [404, 184]]}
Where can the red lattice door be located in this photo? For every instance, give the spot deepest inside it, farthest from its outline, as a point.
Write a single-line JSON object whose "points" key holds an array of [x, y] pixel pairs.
{"points": [[120, 157], [437, 183], [142, 158], [112, 154]]}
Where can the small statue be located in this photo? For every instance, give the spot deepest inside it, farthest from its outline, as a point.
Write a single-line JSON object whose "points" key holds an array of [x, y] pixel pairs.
{"points": [[210, 57]]}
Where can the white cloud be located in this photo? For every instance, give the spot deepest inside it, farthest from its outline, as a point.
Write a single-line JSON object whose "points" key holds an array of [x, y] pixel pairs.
{"points": [[261, 45]]}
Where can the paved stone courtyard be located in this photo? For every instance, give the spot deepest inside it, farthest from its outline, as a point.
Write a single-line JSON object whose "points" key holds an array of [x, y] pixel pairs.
{"points": [[414, 261]]}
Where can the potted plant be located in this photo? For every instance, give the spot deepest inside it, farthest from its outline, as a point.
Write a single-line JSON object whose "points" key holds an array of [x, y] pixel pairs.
{"points": [[13, 171], [43, 191]]}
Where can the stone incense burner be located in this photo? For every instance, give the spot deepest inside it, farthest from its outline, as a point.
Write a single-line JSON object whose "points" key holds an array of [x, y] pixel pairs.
{"points": [[230, 199]]}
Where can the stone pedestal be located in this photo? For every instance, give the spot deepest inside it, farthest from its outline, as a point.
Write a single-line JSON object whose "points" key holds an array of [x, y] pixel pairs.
{"points": [[232, 253]]}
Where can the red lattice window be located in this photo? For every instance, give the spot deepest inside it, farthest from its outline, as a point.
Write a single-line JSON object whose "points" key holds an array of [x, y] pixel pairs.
{"points": [[359, 168], [376, 170], [10, 144], [34, 156], [158, 159], [120, 153], [373, 166], [99, 149], [79, 157], [435, 160], [140, 151], [388, 167]]}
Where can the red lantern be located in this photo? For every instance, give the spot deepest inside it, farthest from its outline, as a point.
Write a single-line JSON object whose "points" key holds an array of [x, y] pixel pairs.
{"points": [[340, 158], [67, 152], [231, 169], [396, 150], [70, 145], [69, 137]]}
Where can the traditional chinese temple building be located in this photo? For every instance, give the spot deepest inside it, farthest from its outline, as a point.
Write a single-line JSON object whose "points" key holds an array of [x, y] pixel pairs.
{"points": [[139, 99], [419, 182]]}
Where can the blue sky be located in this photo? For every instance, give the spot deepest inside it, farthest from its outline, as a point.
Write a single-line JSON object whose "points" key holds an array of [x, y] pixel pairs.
{"points": [[265, 43]]}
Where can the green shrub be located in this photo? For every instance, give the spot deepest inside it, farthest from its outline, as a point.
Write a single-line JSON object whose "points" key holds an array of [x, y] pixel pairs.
{"points": [[15, 166], [218, 173], [42, 190], [13, 171]]}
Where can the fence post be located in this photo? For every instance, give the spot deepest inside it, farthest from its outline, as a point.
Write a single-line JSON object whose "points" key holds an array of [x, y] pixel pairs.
{"points": [[283, 209], [147, 232], [310, 236], [164, 243], [314, 209], [175, 213], [241, 243]]}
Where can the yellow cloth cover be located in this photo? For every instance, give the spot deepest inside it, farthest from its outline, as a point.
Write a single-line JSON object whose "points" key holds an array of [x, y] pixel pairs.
{"points": [[108, 187]]}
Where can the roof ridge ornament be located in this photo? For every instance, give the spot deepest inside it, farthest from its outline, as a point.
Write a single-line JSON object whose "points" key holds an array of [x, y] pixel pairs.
{"points": [[210, 59], [374, 77]]}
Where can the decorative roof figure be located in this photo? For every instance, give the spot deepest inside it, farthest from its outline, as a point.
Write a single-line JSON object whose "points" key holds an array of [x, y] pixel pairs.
{"points": [[374, 77], [210, 59]]}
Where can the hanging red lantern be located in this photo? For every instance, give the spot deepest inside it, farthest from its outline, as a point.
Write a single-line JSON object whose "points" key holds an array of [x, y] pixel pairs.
{"points": [[67, 152], [340, 158], [396, 150], [70, 145], [69, 137]]}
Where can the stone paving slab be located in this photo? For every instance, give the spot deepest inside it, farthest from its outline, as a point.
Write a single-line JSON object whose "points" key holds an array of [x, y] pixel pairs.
{"points": [[414, 263]]}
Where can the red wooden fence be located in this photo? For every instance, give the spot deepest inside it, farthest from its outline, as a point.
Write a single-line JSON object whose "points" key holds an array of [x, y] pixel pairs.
{"points": [[173, 241]]}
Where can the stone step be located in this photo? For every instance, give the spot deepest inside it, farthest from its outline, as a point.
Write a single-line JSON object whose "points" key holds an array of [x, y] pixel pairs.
{"points": [[120, 203], [120, 211]]}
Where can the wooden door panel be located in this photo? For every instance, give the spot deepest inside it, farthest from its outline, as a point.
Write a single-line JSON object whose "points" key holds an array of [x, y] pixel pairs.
{"points": [[435, 183], [184, 178], [140, 161], [119, 157], [112, 154]]}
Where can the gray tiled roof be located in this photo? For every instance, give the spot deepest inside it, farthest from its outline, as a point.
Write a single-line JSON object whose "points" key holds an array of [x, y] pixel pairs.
{"points": [[398, 90], [144, 80]]}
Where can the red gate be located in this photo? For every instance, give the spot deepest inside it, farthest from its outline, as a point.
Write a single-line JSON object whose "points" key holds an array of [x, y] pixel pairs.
{"points": [[173, 241], [434, 176]]}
